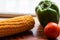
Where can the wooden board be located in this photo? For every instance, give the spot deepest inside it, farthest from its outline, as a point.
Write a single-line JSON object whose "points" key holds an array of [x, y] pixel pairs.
{"points": [[34, 34]]}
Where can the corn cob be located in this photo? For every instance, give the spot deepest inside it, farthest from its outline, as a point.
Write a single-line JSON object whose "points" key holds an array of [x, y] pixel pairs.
{"points": [[15, 25]]}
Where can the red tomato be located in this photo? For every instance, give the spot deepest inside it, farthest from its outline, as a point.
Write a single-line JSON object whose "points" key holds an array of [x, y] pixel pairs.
{"points": [[59, 29], [51, 30]]}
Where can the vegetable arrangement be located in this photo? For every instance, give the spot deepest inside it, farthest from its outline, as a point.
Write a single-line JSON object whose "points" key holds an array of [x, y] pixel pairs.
{"points": [[48, 16]]}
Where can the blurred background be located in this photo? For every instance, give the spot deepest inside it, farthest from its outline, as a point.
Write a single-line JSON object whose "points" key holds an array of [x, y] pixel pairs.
{"points": [[21, 6]]}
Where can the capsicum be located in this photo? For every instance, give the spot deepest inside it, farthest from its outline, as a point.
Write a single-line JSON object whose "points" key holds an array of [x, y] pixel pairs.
{"points": [[47, 11]]}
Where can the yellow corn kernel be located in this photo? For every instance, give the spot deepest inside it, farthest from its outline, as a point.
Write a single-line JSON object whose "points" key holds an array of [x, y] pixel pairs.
{"points": [[15, 25]]}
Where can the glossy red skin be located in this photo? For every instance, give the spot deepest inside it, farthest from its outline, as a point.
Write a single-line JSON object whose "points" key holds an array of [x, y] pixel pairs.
{"points": [[51, 30], [59, 28]]}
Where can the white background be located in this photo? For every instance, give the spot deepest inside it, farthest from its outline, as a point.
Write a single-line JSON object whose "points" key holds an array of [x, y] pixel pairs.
{"points": [[21, 6]]}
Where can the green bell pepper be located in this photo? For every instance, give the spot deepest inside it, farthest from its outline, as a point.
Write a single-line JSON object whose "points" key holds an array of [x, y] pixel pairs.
{"points": [[47, 11]]}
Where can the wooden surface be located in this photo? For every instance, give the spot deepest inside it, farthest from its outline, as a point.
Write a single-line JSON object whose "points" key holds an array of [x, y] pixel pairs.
{"points": [[9, 15], [34, 34]]}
